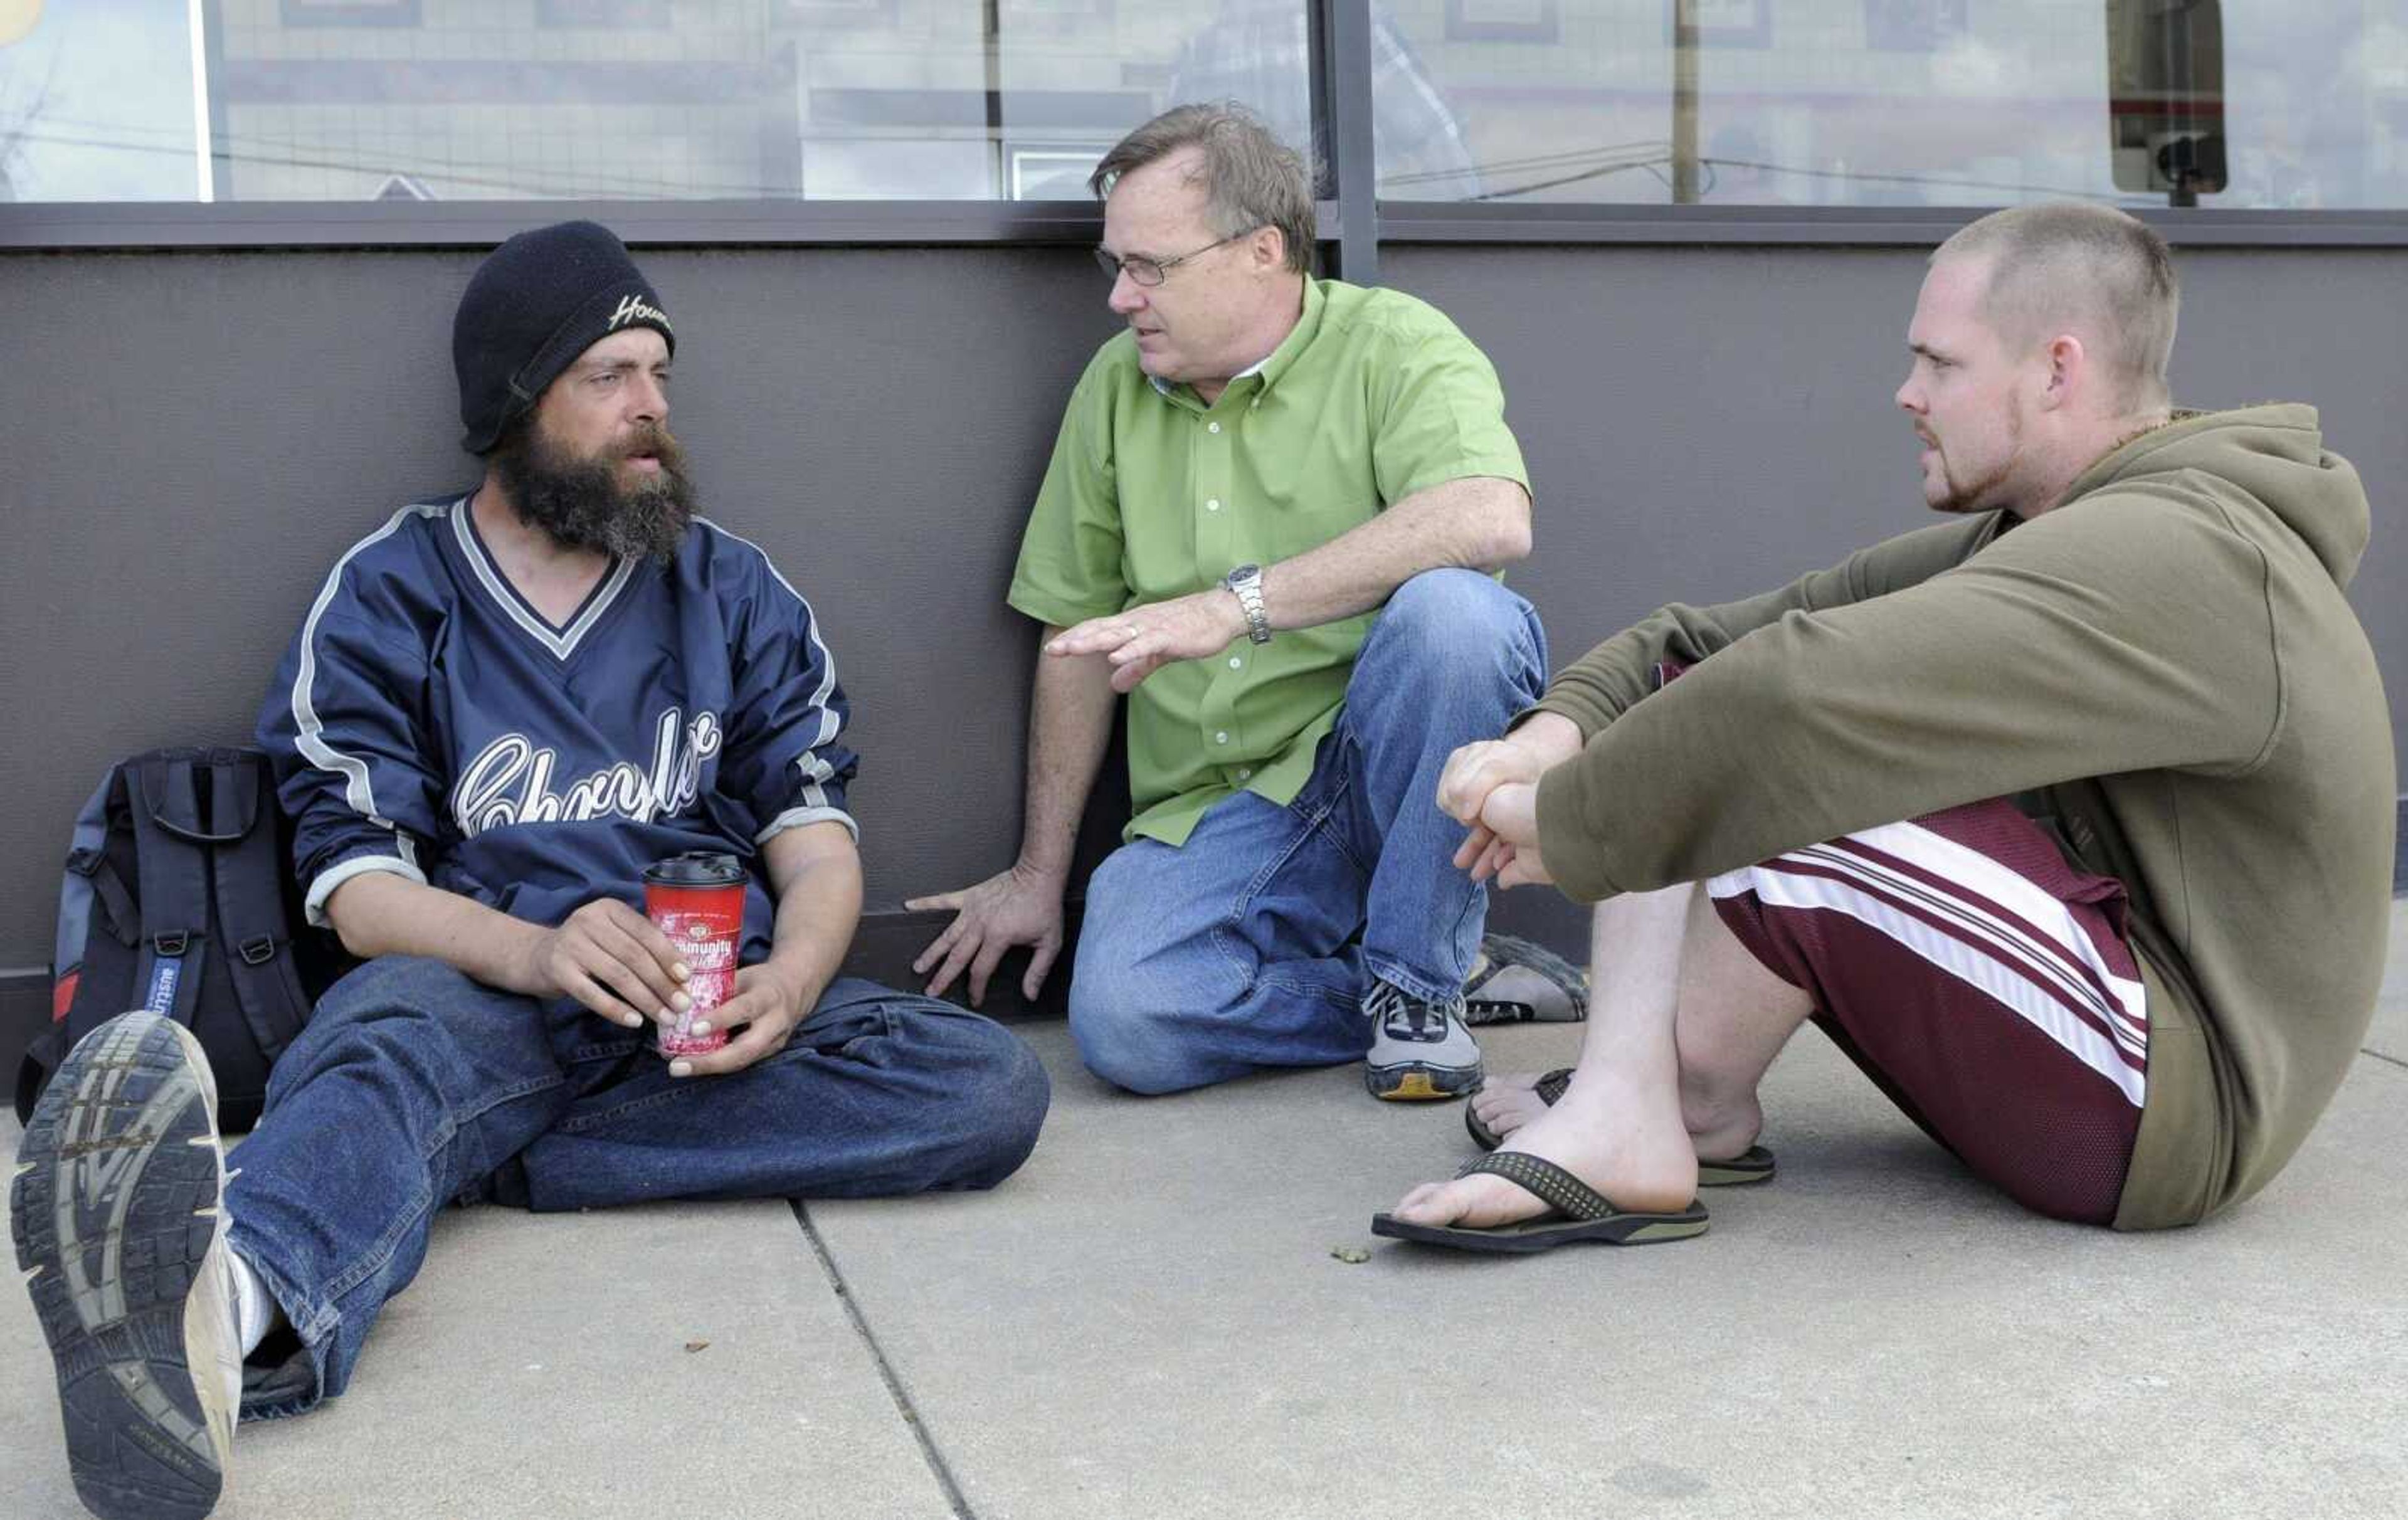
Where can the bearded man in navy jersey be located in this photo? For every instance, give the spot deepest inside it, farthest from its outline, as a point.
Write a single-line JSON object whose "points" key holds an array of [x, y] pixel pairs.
{"points": [[501, 707]]}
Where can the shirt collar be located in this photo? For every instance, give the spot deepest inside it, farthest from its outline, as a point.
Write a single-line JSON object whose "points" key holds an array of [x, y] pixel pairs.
{"points": [[1271, 365]]}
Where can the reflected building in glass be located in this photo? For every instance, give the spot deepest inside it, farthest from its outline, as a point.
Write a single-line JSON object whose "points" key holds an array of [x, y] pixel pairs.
{"points": [[1902, 101], [1862, 103], [687, 99]]}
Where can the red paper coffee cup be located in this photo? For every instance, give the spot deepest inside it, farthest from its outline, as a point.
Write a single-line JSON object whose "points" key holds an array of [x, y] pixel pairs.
{"points": [[698, 900]]}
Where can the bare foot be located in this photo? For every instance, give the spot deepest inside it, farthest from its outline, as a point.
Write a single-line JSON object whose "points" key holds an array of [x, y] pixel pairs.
{"points": [[1505, 1104], [1627, 1145]]}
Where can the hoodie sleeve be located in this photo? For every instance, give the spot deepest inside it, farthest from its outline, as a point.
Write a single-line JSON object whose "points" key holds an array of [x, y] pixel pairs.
{"points": [[343, 727], [1604, 684], [2121, 633]]}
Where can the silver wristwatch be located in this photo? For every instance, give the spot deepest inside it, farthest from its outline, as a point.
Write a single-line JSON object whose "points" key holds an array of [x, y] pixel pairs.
{"points": [[1247, 582]]}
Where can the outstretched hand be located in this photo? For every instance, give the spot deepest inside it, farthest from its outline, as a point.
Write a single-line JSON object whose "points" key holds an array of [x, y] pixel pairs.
{"points": [[1017, 907], [1143, 639]]}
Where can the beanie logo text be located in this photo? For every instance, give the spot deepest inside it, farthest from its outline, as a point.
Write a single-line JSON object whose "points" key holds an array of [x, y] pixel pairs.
{"points": [[634, 308]]}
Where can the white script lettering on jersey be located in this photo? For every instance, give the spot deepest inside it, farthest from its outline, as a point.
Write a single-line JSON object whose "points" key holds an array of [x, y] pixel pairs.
{"points": [[510, 779]]}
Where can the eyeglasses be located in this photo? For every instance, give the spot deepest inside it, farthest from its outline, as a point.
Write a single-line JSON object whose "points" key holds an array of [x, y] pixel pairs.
{"points": [[1150, 272]]}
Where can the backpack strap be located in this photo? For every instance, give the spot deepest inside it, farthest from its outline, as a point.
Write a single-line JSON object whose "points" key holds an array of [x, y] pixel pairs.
{"points": [[250, 903], [117, 915], [165, 807]]}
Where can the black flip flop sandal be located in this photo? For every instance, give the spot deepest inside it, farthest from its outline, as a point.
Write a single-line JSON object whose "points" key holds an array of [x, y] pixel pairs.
{"points": [[1578, 1212]]}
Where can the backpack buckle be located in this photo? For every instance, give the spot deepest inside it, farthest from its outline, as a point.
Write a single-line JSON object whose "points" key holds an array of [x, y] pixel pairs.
{"points": [[169, 946], [258, 952]]}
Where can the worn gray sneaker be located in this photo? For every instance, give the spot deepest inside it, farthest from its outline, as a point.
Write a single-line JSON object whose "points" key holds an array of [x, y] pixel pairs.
{"points": [[1515, 982], [1419, 1051], [117, 1207]]}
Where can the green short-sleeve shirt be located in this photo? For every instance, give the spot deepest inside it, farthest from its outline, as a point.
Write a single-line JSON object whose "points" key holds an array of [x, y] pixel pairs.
{"points": [[1151, 494]]}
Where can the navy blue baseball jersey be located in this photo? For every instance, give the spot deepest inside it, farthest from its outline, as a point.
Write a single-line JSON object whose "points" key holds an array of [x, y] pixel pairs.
{"points": [[427, 721]]}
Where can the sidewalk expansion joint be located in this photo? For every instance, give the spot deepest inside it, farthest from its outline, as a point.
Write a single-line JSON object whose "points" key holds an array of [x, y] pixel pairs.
{"points": [[2391, 1060], [955, 1499]]}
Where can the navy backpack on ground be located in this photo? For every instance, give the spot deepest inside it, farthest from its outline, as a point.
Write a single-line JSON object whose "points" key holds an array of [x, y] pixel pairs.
{"points": [[179, 899]]}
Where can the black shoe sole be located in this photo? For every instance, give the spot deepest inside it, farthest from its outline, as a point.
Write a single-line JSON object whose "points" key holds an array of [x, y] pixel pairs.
{"points": [[118, 1136]]}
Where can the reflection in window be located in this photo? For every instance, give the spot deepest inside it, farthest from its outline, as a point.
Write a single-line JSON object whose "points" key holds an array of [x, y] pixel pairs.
{"points": [[96, 102], [1900, 102], [608, 99]]}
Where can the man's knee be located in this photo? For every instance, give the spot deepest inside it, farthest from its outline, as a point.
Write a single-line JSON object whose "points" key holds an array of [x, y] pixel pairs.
{"points": [[1457, 606], [1454, 625], [1127, 1038]]}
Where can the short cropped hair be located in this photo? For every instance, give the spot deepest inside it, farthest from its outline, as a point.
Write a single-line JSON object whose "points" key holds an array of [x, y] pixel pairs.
{"points": [[2060, 264], [1249, 176]]}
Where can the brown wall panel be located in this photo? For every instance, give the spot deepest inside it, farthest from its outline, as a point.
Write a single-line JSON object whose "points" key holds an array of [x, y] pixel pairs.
{"points": [[192, 439]]}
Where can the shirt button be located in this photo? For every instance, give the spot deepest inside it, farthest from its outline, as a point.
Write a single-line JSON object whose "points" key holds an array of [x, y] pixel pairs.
{"points": [[1211, 427], [1213, 506], [1237, 663], [1245, 771], [1220, 738]]}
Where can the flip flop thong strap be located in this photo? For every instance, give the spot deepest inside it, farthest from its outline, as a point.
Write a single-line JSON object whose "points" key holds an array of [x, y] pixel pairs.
{"points": [[1551, 1184], [1553, 1085]]}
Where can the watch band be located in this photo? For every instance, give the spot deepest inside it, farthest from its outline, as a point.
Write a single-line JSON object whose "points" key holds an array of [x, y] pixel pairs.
{"points": [[1246, 580]]}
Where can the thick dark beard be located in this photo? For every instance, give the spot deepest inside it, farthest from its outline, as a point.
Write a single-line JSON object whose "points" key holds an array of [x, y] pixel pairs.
{"points": [[580, 503]]}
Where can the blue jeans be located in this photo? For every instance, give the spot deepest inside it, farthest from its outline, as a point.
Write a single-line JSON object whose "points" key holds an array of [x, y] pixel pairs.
{"points": [[1250, 945], [413, 1085]]}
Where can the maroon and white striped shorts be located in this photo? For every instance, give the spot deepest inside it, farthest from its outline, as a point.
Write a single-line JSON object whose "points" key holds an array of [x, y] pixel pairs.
{"points": [[1982, 981]]}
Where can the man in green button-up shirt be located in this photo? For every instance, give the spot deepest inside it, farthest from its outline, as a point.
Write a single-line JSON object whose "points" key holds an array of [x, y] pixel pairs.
{"points": [[1272, 518]]}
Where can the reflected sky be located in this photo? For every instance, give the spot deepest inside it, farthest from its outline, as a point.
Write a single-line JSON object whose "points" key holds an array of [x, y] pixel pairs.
{"points": [[96, 103]]}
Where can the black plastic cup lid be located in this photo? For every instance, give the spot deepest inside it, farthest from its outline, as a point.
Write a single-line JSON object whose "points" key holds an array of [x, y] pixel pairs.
{"points": [[696, 869]]}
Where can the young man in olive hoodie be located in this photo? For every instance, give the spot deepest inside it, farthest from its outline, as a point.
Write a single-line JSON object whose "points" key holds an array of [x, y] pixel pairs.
{"points": [[2071, 819]]}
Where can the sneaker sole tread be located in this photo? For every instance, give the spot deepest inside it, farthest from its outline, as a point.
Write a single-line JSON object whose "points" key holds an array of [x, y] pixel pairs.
{"points": [[123, 1133]]}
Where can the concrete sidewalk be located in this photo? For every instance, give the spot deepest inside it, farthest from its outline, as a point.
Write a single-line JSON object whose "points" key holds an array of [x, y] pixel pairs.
{"points": [[1149, 1321]]}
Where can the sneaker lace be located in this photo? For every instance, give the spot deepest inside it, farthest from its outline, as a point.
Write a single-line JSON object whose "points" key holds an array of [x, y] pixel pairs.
{"points": [[1408, 1018]]}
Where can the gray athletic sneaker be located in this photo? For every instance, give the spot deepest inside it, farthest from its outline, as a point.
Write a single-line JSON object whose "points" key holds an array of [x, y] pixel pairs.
{"points": [[1515, 982], [1419, 1051], [118, 1211]]}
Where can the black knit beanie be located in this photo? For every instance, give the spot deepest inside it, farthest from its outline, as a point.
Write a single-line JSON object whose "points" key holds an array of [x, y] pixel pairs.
{"points": [[540, 300]]}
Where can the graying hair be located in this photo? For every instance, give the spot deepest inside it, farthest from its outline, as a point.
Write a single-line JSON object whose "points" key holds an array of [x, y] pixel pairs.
{"points": [[1250, 179], [2063, 265]]}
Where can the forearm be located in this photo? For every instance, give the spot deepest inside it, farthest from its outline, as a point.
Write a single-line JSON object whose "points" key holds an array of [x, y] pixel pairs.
{"points": [[1606, 682], [2047, 661], [383, 913], [1479, 523], [815, 873], [1070, 724]]}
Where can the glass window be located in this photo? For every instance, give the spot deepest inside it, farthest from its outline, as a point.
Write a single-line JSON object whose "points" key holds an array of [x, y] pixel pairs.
{"points": [[332, 100], [97, 100], [1893, 102]]}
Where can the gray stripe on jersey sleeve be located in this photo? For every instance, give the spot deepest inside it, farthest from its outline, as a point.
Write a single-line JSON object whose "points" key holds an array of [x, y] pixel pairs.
{"points": [[797, 817], [811, 770]]}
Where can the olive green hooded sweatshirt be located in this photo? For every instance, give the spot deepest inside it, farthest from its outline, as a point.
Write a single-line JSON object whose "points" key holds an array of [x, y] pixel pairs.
{"points": [[2163, 668]]}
